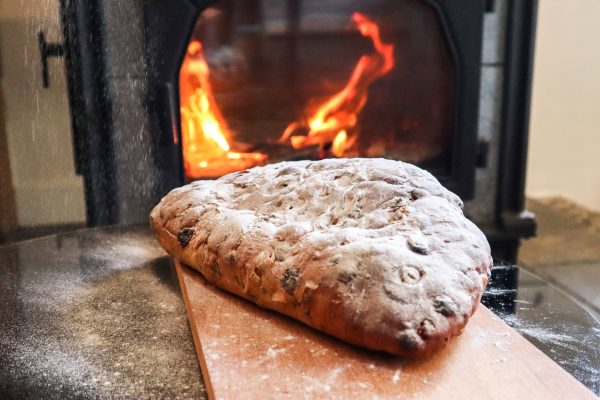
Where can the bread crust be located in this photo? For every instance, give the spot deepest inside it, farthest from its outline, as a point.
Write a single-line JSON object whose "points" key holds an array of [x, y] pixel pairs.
{"points": [[372, 251]]}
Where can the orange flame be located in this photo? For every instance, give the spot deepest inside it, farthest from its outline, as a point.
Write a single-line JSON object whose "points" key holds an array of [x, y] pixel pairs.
{"points": [[206, 136], [339, 144], [335, 118]]}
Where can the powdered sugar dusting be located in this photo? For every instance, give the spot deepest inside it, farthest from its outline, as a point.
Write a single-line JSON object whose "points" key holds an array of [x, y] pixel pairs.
{"points": [[96, 314], [396, 377]]}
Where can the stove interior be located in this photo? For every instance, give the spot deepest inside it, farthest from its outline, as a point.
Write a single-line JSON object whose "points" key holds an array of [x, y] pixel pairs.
{"points": [[265, 81]]}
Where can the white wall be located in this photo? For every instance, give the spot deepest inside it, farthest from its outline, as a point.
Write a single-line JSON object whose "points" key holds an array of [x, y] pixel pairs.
{"points": [[564, 152], [47, 191]]}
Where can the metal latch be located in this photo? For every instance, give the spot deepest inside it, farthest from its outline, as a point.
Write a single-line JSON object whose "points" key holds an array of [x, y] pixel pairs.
{"points": [[48, 50]]}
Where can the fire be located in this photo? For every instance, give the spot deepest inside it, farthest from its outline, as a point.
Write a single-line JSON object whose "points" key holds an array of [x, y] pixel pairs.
{"points": [[339, 144], [208, 142], [333, 120], [206, 136]]}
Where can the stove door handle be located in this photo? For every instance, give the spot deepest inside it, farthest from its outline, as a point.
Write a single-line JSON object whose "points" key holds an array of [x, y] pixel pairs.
{"points": [[48, 50]]}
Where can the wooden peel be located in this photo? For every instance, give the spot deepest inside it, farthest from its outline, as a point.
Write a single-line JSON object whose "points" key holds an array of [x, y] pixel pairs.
{"points": [[248, 352]]}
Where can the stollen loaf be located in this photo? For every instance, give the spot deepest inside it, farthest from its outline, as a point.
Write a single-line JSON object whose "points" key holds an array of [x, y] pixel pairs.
{"points": [[372, 251]]}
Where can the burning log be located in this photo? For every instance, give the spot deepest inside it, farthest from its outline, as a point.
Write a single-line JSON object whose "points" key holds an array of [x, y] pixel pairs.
{"points": [[283, 152]]}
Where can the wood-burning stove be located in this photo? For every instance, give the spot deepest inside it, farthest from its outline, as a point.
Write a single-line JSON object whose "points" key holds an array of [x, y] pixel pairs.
{"points": [[456, 110]]}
